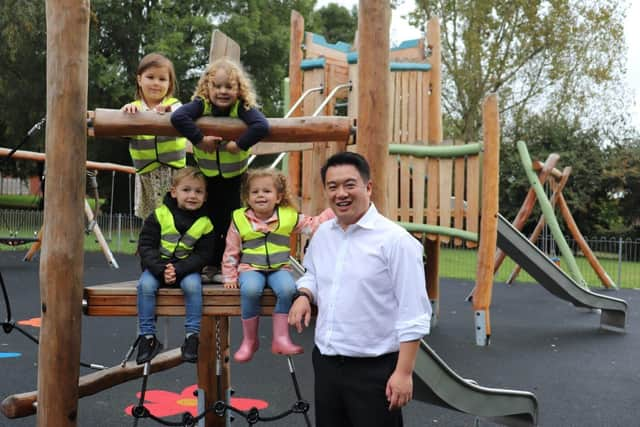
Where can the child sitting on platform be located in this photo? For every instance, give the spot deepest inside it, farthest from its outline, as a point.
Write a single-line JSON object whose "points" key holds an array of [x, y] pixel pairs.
{"points": [[257, 254], [176, 241]]}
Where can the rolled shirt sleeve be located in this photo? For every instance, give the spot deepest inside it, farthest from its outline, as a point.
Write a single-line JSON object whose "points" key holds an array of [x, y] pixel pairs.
{"points": [[414, 308]]}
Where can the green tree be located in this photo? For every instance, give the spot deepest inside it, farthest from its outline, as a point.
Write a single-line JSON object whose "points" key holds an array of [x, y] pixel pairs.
{"points": [[586, 190], [336, 23], [623, 174], [261, 28], [566, 55], [22, 78], [121, 33]]}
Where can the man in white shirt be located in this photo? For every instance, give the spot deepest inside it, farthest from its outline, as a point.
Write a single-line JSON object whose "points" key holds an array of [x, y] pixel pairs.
{"points": [[365, 273]]}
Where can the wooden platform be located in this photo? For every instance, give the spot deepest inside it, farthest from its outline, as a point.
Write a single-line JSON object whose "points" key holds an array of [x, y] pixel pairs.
{"points": [[120, 299]]}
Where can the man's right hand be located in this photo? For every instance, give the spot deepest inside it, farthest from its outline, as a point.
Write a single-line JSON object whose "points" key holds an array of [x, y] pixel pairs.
{"points": [[300, 313]]}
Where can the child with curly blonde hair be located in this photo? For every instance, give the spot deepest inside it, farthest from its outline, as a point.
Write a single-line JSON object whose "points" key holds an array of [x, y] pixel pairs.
{"points": [[224, 90], [257, 255]]}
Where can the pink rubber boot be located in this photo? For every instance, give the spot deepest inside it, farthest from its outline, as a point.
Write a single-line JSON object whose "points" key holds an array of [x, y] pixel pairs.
{"points": [[250, 341], [281, 343]]}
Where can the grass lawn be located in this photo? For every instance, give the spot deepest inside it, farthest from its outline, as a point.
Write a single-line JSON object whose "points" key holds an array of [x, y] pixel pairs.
{"points": [[454, 263], [462, 264], [12, 201], [29, 201], [122, 246]]}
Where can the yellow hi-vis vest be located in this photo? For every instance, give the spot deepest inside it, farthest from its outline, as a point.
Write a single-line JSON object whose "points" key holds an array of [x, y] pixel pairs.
{"points": [[148, 152], [221, 162], [172, 243], [266, 251]]}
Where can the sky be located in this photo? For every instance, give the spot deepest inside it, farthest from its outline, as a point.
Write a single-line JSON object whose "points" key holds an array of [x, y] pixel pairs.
{"points": [[401, 30]]}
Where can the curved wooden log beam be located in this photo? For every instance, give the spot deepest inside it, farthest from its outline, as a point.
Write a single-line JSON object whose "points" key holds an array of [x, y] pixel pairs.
{"points": [[557, 191], [41, 157], [24, 404], [106, 122], [528, 204]]}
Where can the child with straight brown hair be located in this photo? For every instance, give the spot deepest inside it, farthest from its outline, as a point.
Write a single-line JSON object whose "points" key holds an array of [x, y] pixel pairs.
{"points": [[155, 158]]}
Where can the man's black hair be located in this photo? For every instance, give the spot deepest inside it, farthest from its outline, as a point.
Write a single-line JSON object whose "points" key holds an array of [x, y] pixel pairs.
{"points": [[347, 158]]}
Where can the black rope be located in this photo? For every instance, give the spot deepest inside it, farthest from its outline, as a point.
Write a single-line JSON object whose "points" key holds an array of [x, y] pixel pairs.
{"points": [[220, 407], [30, 132], [34, 128], [8, 325], [252, 416], [17, 241]]}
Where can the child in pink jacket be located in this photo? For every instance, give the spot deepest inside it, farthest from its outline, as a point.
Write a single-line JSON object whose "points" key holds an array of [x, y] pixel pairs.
{"points": [[257, 255]]}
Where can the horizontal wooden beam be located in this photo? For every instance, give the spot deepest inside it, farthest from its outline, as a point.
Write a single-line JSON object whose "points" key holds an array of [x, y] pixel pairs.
{"points": [[538, 166], [40, 157], [279, 147], [24, 404], [107, 122], [119, 299]]}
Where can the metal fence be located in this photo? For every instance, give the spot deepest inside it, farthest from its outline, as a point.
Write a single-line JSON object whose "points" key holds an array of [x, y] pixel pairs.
{"points": [[120, 230], [619, 257]]}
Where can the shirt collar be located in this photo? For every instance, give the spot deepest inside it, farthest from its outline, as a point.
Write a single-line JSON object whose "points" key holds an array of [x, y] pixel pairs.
{"points": [[252, 215], [366, 221]]}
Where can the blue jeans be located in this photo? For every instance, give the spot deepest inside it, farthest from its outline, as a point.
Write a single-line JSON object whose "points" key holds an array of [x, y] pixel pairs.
{"points": [[252, 284], [148, 287]]}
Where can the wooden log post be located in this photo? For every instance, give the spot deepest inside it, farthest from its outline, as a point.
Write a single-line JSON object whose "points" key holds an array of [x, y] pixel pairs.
{"points": [[434, 137], [374, 127], [582, 244], [214, 370], [295, 92], [62, 261], [488, 219]]}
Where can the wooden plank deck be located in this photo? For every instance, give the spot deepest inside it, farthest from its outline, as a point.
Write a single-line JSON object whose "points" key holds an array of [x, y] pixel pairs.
{"points": [[120, 299]]}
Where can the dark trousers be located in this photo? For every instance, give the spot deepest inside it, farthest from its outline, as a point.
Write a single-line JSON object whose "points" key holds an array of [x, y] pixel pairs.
{"points": [[223, 197], [350, 391]]}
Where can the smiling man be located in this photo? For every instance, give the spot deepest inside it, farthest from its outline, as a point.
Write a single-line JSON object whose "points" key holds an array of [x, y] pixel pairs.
{"points": [[365, 274]]}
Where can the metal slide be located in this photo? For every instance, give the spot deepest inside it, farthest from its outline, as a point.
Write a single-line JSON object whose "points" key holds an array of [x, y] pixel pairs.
{"points": [[437, 384], [553, 279]]}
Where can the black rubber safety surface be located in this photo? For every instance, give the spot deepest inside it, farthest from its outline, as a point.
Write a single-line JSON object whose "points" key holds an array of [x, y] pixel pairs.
{"points": [[583, 376]]}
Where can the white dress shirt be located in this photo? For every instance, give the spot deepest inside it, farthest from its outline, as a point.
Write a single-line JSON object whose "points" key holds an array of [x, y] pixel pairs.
{"points": [[368, 282]]}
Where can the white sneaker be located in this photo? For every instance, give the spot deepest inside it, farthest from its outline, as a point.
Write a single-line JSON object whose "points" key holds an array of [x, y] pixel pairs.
{"points": [[218, 278]]}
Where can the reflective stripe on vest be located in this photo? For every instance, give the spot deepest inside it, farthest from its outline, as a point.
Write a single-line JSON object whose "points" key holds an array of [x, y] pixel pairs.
{"points": [[172, 243], [229, 164], [148, 152], [266, 251]]}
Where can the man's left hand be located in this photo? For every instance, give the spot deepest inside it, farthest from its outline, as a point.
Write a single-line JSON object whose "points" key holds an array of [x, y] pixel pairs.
{"points": [[399, 389]]}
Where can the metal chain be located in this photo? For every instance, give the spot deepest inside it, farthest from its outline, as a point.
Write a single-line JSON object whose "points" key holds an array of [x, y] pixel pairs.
{"points": [[221, 407]]}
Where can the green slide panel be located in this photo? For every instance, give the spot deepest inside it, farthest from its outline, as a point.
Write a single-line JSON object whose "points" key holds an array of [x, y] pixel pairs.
{"points": [[437, 384]]}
